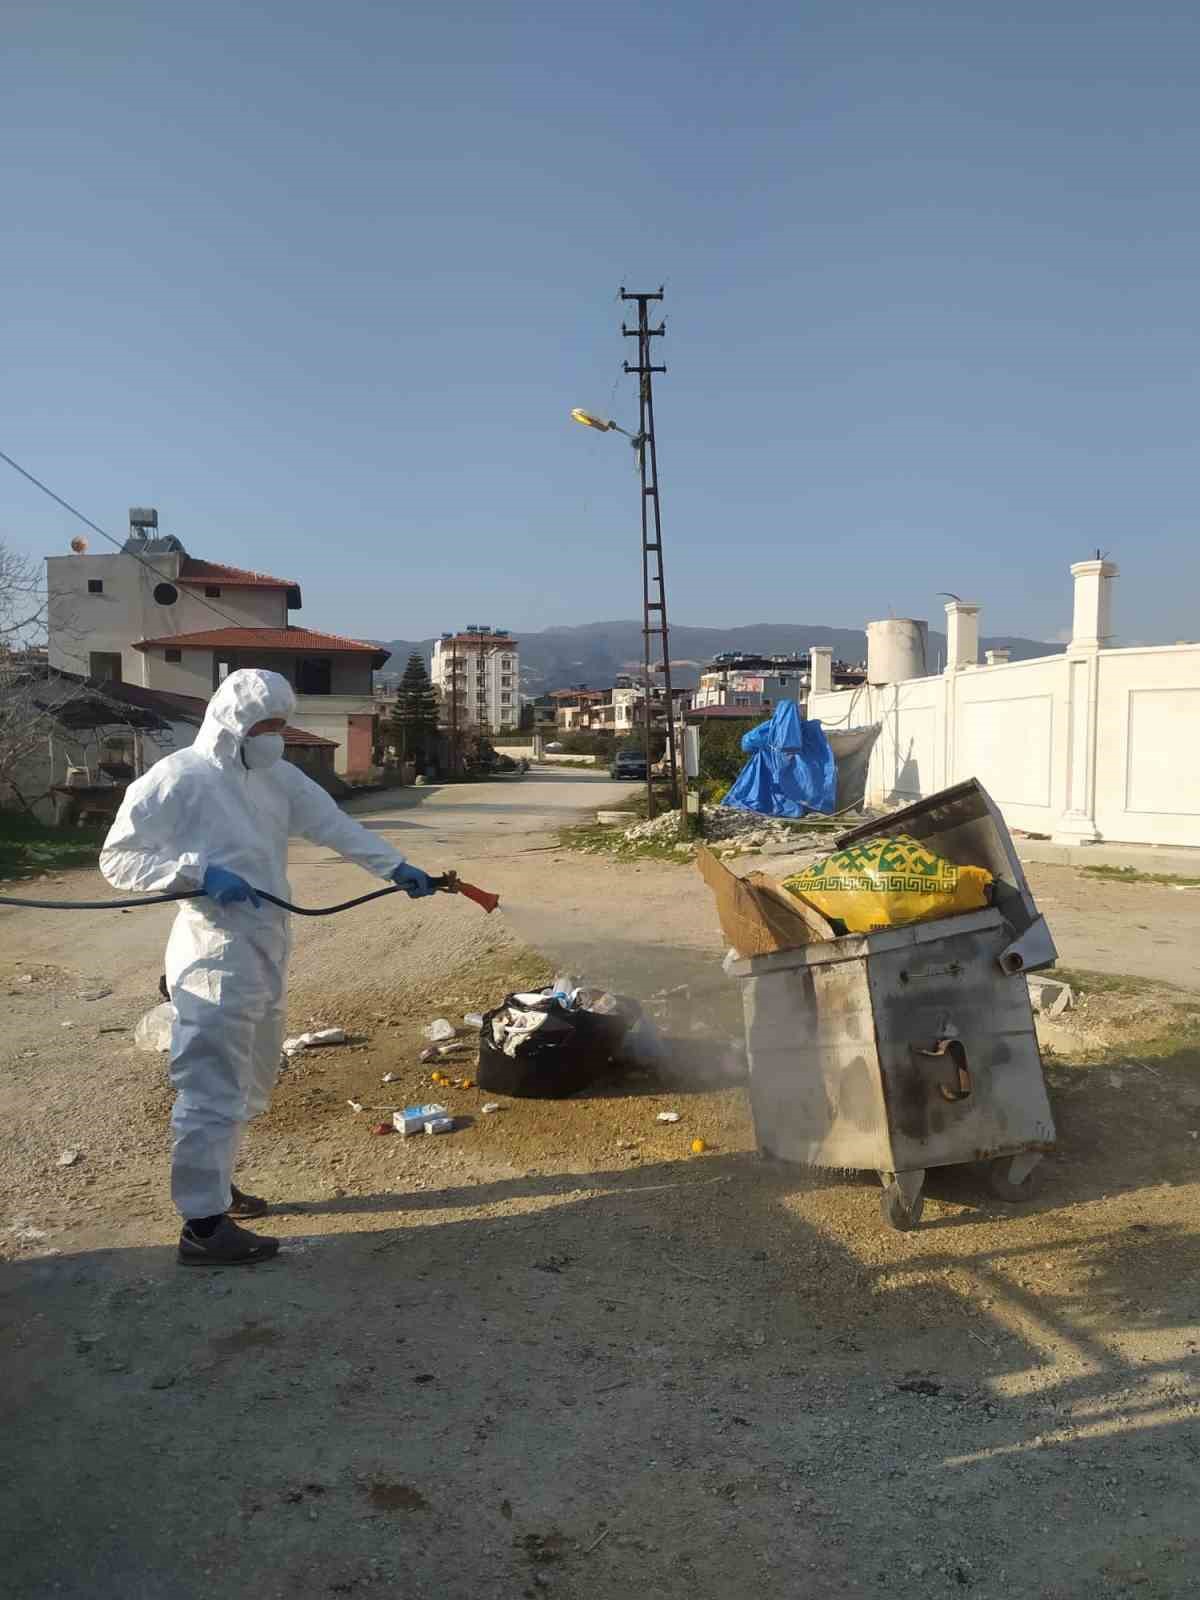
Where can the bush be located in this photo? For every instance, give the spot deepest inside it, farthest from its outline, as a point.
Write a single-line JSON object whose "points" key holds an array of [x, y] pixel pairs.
{"points": [[721, 753], [588, 744]]}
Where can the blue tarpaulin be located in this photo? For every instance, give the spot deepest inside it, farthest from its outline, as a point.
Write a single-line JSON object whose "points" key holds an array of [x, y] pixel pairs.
{"points": [[791, 770]]}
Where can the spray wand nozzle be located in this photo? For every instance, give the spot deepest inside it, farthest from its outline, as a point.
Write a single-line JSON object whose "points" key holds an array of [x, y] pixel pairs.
{"points": [[451, 883]]}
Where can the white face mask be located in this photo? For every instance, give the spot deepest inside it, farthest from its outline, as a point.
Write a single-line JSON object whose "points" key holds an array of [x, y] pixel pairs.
{"points": [[263, 750]]}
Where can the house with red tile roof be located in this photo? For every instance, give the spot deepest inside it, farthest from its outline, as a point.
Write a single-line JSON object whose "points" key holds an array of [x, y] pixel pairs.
{"points": [[154, 616]]}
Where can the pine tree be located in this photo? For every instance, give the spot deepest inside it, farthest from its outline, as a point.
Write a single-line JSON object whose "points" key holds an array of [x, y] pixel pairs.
{"points": [[414, 719]]}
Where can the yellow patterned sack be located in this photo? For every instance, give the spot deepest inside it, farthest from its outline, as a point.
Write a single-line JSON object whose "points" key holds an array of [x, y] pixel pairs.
{"points": [[887, 882]]}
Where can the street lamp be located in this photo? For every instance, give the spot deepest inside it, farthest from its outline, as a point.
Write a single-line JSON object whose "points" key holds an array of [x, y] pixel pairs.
{"points": [[602, 425]]}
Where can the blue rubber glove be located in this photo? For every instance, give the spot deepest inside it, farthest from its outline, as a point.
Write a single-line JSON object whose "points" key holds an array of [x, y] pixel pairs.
{"points": [[226, 887], [413, 881]]}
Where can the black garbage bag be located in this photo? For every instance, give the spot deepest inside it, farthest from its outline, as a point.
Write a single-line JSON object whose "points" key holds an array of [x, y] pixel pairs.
{"points": [[564, 1053]]}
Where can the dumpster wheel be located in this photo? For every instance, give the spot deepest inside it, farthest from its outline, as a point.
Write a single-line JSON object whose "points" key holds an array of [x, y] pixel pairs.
{"points": [[1015, 1178], [901, 1211]]}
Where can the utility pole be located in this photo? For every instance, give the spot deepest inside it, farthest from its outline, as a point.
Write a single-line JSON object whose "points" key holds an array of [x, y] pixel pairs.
{"points": [[654, 589]]}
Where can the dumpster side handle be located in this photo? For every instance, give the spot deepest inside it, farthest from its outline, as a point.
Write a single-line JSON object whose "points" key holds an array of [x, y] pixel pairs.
{"points": [[961, 1088]]}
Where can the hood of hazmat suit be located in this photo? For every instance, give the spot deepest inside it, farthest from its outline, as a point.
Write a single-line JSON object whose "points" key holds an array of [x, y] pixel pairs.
{"points": [[226, 965]]}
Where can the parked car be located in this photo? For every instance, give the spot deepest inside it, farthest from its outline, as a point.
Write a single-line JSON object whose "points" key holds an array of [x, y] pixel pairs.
{"points": [[629, 766]]}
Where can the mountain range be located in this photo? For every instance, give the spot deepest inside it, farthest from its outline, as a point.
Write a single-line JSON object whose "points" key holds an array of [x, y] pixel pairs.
{"points": [[595, 652]]}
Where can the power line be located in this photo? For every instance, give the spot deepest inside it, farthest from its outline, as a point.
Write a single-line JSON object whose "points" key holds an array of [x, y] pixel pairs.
{"points": [[116, 543]]}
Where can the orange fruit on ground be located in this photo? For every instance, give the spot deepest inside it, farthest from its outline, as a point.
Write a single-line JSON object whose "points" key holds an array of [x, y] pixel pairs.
{"points": [[698, 1147]]}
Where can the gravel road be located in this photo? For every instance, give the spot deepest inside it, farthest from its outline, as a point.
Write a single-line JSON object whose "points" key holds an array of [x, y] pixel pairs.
{"points": [[555, 1353]]}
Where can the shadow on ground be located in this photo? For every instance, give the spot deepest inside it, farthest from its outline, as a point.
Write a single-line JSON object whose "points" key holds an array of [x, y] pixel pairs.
{"points": [[673, 1381]]}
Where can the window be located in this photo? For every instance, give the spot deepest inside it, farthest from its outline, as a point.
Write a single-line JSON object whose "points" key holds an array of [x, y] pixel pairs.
{"points": [[506, 699], [213, 591], [170, 654], [95, 585], [314, 675], [105, 666]]}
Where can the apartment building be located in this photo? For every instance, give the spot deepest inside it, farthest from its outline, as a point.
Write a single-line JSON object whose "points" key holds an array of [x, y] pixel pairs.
{"points": [[478, 672]]}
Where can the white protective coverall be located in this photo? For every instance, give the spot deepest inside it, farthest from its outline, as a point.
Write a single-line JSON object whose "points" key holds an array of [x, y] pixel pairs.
{"points": [[226, 966]]}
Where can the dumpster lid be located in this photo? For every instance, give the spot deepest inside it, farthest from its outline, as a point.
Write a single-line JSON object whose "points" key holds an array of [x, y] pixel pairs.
{"points": [[963, 825]]}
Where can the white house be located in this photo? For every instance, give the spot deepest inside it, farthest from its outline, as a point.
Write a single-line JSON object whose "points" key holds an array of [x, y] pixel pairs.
{"points": [[153, 616], [480, 668]]}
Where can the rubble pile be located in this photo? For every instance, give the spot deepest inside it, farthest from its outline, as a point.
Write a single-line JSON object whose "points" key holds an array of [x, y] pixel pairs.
{"points": [[737, 831]]}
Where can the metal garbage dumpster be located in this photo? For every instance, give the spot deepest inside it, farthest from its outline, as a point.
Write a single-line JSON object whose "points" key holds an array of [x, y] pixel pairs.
{"points": [[912, 1047]]}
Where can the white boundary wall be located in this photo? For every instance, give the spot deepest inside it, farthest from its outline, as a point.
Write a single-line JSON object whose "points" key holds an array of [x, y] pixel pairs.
{"points": [[1095, 744]]}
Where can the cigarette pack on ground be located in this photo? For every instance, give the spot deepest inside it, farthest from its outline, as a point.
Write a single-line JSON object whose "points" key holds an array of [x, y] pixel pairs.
{"points": [[439, 1124], [413, 1118]]}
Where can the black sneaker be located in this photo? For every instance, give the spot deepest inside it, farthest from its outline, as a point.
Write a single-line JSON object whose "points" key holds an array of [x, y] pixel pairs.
{"points": [[227, 1246], [244, 1206]]}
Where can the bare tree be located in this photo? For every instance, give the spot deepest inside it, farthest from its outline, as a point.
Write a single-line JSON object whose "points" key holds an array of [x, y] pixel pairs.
{"points": [[24, 722]]}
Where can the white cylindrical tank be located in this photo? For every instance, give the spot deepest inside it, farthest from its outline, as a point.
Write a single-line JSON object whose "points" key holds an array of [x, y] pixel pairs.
{"points": [[897, 649]]}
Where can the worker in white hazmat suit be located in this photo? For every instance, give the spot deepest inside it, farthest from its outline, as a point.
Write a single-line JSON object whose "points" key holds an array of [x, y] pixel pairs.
{"points": [[218, 817]]}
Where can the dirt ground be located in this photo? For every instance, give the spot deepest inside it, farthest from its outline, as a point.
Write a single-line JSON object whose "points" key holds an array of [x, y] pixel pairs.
{"points": [[556, 1353]]}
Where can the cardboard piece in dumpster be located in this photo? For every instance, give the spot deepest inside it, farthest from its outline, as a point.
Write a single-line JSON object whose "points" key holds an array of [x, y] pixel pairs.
{"points": [[757, 916]]}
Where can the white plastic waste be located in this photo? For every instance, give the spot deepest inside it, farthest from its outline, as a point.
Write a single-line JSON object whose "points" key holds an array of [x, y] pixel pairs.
{"points": [[439, 1031], [667, 1116], [490, 1106], [153, 1032], [313, 1040], [413, 1118], [473, 1019]]}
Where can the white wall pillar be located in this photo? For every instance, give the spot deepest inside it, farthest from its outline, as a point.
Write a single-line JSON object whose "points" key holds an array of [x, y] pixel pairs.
{"points": [[1091, 625], [1091, 632], [962, 635], [821, 656]]}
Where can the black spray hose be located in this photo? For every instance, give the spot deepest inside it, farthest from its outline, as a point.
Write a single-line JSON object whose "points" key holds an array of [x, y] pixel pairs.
{"points": [[449, 881]]}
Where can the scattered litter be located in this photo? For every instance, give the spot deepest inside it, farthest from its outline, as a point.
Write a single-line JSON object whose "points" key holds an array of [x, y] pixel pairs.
{"points": [[153, 1032], [382, 1127], [314, 1040], [413, 1118], [389, 1077], [667, 1116], [490, 1106], [68, 1158], [95, 994], [698, 1147], [626, 1144], [66, 1024], [119, 1028], [473, 1019], [26, 978], [355, 1105], [26, 1231], [437, 1052], [439, 1030], [439, 1125]]}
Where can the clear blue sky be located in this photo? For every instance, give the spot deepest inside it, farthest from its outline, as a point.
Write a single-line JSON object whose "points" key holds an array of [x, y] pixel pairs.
{"points": [[322, 282]]}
